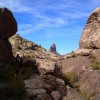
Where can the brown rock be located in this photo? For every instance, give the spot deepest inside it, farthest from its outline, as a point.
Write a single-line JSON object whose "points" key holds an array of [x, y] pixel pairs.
{"points": [[6, 55], [32, 93], [79, 72], [91, 33], [56, 95], [47, 83], [76, 62], [8, 24], [72, 94], [90, 84], [96, 55], [46, 66], [82, 52], [61, 87], [44, 97]]}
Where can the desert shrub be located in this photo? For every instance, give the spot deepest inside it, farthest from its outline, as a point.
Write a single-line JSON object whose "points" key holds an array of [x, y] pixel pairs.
{"points": [[7, 73], [17, 87], [95, 65], [11, 87], [70, 78]]}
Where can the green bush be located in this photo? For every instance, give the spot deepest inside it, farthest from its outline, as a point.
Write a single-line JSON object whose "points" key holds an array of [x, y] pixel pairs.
{"points": [[95, 65]]}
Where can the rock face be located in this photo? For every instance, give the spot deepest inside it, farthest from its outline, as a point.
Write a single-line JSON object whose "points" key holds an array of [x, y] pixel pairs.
{"points": [[78, 70], [91, 34], [53, 48], [8, 24], [8, 27], [6, 55], [19, 43], [81, 68]]}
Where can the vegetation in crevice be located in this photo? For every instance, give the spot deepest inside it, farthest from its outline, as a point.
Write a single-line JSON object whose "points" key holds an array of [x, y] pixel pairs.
{"points": [[95, 65], [86, 95], [70, 78]]}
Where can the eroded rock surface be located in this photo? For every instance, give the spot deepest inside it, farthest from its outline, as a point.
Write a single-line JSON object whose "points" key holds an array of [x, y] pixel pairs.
{"points": [[91, 33], [45, 86]]}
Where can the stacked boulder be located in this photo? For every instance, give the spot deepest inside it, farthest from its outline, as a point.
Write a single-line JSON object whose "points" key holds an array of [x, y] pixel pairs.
{"points": [[8, 27]]}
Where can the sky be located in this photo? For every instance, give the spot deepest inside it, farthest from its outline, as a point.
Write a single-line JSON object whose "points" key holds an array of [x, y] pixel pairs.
{"points": [[52, 21]]}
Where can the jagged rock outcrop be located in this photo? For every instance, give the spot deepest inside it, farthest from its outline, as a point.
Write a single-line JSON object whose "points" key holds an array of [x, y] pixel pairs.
{"points": [[52, 51], [91, 33], [20, 43], [29, 49], [8, 27], [53, 48]]}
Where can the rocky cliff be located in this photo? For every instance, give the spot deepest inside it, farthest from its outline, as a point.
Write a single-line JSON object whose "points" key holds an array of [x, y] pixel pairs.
{"points": [[8, 27], [91, 33], [82, 67]]}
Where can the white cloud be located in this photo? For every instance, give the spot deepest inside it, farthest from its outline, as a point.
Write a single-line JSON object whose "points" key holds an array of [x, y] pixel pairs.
{"points": [[25, 29], [15, 5], [65, 12], [75, 15]]}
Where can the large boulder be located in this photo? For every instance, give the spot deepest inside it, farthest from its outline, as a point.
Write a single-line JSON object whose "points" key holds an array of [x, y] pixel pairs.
{"points": [[72, 94], [6, 55], [80, 75], [70, 64], [91, 33], [49, 66], [45, 84], [46, 66], [8, 24], [8, 27]]}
